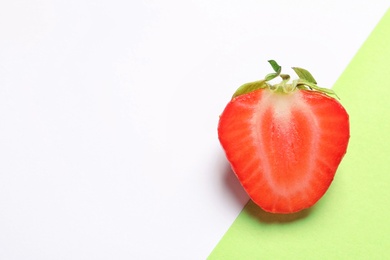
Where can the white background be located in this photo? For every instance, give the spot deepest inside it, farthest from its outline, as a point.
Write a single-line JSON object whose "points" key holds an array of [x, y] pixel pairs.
{"points": [[109, 112]]}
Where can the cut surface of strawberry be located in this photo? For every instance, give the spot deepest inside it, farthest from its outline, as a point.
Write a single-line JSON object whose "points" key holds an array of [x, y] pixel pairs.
{"points": [[284, 143]]}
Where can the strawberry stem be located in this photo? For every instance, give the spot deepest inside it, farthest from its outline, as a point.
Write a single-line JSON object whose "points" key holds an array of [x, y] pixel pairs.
{"points": [[305, 81]]}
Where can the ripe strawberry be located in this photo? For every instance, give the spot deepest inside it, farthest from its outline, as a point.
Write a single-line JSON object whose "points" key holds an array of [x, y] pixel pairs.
{"points": [[284, 141]]}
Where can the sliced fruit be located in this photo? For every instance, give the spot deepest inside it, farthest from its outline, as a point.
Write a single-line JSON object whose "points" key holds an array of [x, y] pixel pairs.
{"points": [[284, 143]]}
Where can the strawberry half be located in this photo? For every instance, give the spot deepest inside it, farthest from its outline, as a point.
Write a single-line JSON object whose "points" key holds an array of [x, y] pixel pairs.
{"points": [[285, 141]]}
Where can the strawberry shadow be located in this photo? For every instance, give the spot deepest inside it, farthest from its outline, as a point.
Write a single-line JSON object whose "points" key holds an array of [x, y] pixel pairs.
{"points": [[235, 188]]}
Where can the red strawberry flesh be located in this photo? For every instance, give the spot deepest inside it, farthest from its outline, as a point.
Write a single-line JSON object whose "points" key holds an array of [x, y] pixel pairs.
{"points": [[284, 147]]}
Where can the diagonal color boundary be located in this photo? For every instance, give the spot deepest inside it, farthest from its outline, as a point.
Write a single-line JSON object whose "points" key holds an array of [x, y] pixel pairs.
{"points": [[352, 220]]}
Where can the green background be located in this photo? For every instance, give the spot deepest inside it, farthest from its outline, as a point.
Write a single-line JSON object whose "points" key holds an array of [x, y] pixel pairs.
{"points": [[352, 220]]}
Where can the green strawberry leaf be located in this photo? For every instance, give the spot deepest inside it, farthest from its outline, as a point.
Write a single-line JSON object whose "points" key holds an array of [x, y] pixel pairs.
{"points": [[305, 81], [303, 84], [276, 68], [249, 87], [304, 74]]}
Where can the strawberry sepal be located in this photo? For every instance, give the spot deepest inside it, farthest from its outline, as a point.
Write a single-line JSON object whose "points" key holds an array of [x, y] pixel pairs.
{"points": [[306, 81]]}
